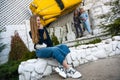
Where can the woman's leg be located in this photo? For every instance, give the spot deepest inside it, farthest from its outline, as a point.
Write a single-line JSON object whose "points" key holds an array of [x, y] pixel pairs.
{"points": [[64, 49], [77, 33], [80, 30], [44, 52], [70, 72], [87, 26], [65, 65], [57, 54]]}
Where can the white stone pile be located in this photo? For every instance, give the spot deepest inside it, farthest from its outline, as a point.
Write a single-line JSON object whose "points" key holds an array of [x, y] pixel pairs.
{"points": [[35, 69]]}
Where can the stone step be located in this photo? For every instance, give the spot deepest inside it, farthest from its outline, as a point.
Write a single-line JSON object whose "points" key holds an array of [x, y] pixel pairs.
{"points": [[86, 39]]}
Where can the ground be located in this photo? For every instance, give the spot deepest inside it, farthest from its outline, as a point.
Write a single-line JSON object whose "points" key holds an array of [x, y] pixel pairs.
{"points": [[102, 69]]}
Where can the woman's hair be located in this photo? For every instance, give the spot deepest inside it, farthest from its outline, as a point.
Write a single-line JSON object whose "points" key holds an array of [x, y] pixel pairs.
{"points": [[76, 11], [34, 28], [82, 9]]}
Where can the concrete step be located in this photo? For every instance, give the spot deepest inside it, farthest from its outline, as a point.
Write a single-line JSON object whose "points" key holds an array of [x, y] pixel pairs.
{"points": [[86, 39]]}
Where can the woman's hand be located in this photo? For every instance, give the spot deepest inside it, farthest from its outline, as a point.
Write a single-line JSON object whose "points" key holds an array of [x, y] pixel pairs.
{"points": [[83, 19], [38, 46]]}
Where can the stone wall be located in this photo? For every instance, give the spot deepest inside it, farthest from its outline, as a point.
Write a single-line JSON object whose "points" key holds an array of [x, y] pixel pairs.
{"points": [[35, 69]]}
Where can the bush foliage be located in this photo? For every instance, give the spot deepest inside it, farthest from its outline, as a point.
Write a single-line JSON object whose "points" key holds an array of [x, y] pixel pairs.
{"points": [[19, 52], [113, 28], [54, 39], [97, 40], [18, 48]]}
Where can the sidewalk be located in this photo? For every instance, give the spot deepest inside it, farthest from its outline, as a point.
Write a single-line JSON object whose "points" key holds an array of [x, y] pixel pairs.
{"points": [[103, 69]]}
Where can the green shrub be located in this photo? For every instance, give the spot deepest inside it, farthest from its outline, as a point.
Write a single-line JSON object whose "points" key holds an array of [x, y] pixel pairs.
{"points": [[19, 52], [77, 44], [113, 29], [28, 55], [9, 70], [54, 39], [97, 40], [18, 48]]}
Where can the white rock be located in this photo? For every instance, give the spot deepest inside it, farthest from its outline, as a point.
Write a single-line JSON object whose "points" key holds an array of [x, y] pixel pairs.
{"points": [[31, 60], [39, 77], [20, 69], [112, 53], [81, 61], [94, 58], [80, 53], [76, 63], [83, 55], [52, 62], [78, 47], [118, 45], [100, 54], [91, 58], [107, 41], [94, 49], [47, 71], [85, 60], [35, 76], [117, 38], [88, 51], [72, 48], [117, 51], [100, 45], [91, 45], [40, 66], [73, 56], [23, 63], [108, 48], [27, 75], [83, 46], [69, 58], [21, 77], [114, 45], [28, 67]]}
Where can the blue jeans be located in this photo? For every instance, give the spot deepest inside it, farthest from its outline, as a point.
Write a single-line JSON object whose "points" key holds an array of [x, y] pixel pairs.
{"points": [[58, 52], [87, 26], [77, 26]]}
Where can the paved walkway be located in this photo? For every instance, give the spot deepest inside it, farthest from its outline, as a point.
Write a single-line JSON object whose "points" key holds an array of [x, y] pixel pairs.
{"points": [[103, 69]]}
